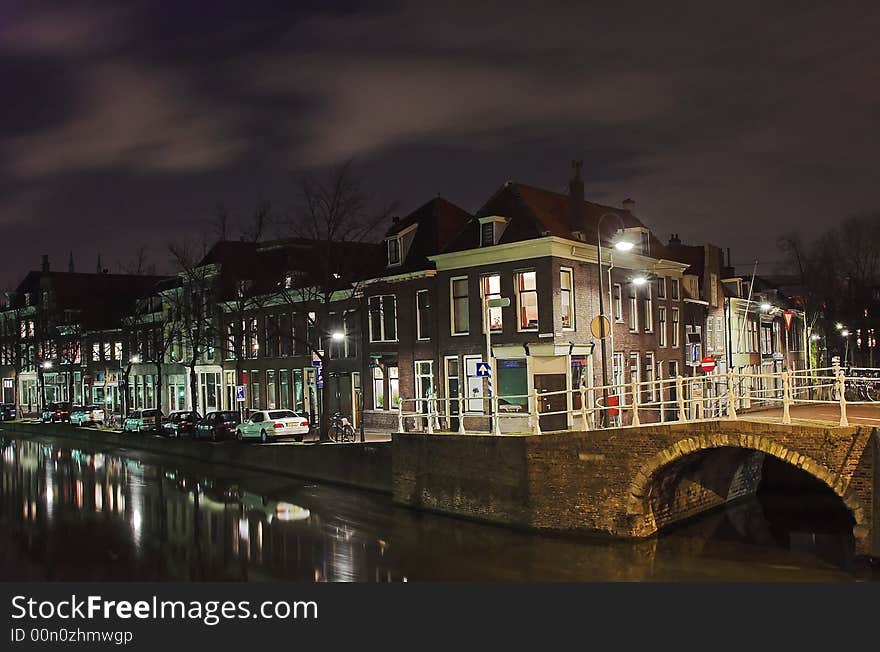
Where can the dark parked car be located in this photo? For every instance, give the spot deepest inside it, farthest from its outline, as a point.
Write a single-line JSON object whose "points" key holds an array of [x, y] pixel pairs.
{"points": [[56, 413], [218, 425], [7, 412], [181, 422]]}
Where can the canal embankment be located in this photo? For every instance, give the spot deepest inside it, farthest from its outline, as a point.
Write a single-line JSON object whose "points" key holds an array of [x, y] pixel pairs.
{"points": [[359, 465]]}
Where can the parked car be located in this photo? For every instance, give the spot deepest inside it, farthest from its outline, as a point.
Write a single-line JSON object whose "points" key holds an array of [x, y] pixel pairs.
{"points": [[141, 420], [7, 412], [56, 413], [267, 424], [218, 425], [180, 422], [91, 414]]}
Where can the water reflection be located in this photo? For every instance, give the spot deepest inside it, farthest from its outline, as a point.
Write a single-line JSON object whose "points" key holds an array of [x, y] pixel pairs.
{"points": [[71, 514]]}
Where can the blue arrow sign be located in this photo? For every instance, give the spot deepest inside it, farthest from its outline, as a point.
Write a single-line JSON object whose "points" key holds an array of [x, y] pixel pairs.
{"points": [[484, 369]]}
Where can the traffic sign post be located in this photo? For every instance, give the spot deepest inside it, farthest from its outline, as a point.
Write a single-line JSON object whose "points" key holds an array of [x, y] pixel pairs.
{"points": [[240, 393]]}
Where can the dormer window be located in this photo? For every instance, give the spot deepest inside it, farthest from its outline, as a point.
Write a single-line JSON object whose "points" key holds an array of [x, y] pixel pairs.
{"points": [[491, 228], [393, 251], [646, 243]]}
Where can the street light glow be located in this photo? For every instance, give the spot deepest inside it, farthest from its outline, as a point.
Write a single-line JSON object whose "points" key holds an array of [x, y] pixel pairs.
{"points": [[815, 337], [623, 245], [765, 306], [838, 326], [639, 280], [844, 332], [47, 364], [338, 336], [135, 359]]}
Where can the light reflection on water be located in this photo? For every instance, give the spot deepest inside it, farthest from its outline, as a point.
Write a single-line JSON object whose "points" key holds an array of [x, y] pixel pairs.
{"points": [[70, 514]]}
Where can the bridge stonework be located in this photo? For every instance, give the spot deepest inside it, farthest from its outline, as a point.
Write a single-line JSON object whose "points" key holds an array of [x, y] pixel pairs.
{"points": [[630, 482]]}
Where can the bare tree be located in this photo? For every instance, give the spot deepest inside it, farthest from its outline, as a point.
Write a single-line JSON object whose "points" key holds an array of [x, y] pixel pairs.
{"points": [[193, 303], [334, 218]]}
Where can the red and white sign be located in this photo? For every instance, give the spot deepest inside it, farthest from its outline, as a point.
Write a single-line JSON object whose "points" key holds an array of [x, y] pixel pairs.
{"points": [[788, 315], [707, 364]]}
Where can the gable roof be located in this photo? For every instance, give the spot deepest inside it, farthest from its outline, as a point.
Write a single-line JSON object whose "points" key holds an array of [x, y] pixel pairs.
{"points": [[439, 221], [536, 212]]}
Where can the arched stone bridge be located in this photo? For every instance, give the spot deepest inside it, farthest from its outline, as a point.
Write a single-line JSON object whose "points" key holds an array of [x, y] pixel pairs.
{"points": [[630, 482]]}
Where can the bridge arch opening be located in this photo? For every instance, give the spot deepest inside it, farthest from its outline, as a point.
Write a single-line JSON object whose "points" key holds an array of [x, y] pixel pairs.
{"points": [[753, 496]]}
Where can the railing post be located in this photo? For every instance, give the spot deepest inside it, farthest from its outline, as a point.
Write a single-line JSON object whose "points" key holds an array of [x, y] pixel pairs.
{"points": [[786, 397], [584, 424], [634, 385], [496, 418], [436, 412], [430, 419], [841, 391], [536, 413], [731, 395], [461, 429], [747, 393], [679, 395], [400, 415]]}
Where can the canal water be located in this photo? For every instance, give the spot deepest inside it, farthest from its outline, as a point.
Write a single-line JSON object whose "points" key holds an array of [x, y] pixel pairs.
{"points": [[73, 514]]}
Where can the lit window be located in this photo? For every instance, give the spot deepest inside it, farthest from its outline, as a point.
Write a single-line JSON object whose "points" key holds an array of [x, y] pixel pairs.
{"points": [[491, 289], [527, 300], [378, 389], [566, 296]]}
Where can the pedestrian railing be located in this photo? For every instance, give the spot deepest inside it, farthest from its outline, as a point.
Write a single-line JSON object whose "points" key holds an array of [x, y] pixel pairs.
{"points": [[639, 403]]}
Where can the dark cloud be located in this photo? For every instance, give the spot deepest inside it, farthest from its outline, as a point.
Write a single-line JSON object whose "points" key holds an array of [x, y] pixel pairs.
{"points": [[726, 123]]}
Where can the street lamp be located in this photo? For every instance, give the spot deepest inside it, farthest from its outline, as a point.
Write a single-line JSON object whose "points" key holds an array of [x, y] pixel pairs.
{"points": [[838, 326], [337, 336], [135, 359], [639, 280], [620, 245], [47, 364], [766, 307]]}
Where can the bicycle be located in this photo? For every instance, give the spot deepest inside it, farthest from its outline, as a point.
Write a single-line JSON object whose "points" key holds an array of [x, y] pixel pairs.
{"points": [[340, 430]]}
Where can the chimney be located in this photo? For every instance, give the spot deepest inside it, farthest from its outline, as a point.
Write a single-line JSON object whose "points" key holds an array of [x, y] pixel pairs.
{"points": [[629, 205], [576, 196], [674, 240], [45, 263], [70, 263]]}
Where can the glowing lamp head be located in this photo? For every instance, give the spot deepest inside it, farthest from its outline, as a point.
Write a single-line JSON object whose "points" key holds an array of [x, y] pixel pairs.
{"points": [[337, 336], [765, 306], [639, 280], [623, 245], [47, 364], [838, 326], [845, 332]]}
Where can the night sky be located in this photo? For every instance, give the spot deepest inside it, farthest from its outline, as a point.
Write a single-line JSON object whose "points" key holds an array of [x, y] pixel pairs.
{"points": [[128, 124]]}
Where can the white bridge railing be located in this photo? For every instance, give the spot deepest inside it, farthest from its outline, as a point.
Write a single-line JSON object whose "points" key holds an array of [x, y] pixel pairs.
{"points": [[679, 399]]}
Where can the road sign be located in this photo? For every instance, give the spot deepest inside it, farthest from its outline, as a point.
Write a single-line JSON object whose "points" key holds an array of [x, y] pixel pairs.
{"points": [[707, 364], [319, 377], [600, 326], [484, 369], [316, 363], [788, 315], [239, 393]]}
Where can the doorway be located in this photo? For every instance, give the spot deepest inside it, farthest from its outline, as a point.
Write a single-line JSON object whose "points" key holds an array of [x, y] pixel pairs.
{"points": [[555, 403]]}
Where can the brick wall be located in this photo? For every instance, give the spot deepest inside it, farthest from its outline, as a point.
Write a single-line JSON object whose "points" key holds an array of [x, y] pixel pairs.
{"points": [[627, 482]]}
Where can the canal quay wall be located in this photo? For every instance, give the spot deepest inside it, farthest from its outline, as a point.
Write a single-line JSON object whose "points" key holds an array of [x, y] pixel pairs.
{"points": [[629, 482], [362, 466]]}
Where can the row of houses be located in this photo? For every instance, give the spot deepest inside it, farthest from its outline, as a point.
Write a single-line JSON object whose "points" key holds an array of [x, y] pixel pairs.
{"points": [[406, 318]]}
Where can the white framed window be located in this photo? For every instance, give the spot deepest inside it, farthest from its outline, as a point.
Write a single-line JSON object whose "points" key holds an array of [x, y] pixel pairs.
{"points": [[661, 287], [713, 290], [378, 388], [710, 331], [661, 326], [490, 288], [649, 310], [459, 305], [634, 371], [650, 376], [618, 302], [526, 283], [394, 386], [566, 298], [674, 289], [383, 318], [423, 325], [633, 309], [393, 252], [675, 328], [424, 379]]}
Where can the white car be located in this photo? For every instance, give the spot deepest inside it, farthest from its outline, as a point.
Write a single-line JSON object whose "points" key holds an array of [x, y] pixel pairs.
{"points": [[266, 424]]}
